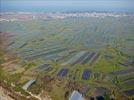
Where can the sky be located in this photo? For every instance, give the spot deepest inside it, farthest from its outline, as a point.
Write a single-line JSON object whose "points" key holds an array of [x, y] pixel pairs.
{"points": [[66, 5]]}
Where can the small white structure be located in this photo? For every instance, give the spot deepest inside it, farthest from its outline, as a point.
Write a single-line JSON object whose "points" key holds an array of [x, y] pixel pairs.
{"points": [[28, 84], [76, 96]]}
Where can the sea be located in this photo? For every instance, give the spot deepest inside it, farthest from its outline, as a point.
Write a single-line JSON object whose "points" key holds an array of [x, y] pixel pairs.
{"points": [[66, 5]]}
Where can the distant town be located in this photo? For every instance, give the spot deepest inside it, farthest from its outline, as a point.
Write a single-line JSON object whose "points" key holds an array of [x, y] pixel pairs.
{"points": [[14, 16]]}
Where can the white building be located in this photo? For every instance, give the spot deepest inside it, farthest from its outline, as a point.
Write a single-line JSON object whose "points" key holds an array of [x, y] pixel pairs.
{"points": [[76, 96]]}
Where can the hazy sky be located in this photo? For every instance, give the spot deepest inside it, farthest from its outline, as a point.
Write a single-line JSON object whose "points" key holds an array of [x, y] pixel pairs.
{"points": [[64, 5]]}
